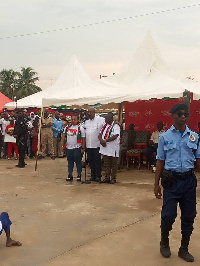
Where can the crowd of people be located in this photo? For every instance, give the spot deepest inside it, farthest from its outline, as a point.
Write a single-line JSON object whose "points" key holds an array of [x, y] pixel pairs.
{"points": [[173, 153], [98, 136], [17, 137]]}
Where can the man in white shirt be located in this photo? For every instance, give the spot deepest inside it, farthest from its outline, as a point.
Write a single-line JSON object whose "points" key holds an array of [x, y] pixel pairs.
{"points": [[92, 128], [74, 141], [110, 144], [4, 122], [153, 145]]}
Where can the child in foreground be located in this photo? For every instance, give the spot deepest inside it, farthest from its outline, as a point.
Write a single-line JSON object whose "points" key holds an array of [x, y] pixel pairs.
{"points": [[5, 224]]}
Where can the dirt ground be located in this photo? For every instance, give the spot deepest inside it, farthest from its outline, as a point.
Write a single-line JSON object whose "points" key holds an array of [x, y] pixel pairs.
{"points": [[75, 224]]}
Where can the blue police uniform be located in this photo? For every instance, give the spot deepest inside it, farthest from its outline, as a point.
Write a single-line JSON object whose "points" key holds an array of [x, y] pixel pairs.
{"points": [[179, 150]]}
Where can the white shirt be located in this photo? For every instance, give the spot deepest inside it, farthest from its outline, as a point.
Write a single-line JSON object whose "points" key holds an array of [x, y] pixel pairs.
{"points": [[30, 124], [155, 136], [0, 226], [8, 137], [92, 130], [112, 147], [72, 132], [4, 124]]}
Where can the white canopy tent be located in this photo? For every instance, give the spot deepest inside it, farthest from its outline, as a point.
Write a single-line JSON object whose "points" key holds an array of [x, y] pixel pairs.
{"points": [[147, 76], [73, 82]]}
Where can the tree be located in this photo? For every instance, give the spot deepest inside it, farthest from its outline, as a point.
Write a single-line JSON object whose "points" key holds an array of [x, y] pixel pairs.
{"points": [[19, 84], [26, 82], [8, 82]]}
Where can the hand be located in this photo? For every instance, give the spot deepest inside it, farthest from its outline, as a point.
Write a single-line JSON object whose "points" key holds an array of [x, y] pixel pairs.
{"points": [[157, 191], [62, 148], [103, 142]]}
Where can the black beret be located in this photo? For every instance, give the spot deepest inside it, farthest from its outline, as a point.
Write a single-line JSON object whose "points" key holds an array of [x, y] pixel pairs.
{"points": [[177, 107]]}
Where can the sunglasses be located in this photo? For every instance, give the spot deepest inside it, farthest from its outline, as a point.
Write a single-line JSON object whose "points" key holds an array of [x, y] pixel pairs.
{"points": [[186, 114]]}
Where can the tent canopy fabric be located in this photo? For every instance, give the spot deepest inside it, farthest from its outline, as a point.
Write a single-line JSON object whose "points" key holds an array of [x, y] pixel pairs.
{"points": [[3, 100], [146, 58], [147, 76], [73, 82]]}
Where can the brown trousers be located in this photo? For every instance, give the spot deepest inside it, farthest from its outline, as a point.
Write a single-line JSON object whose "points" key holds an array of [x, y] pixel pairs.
{"points": [[110, 164], [47, 139]]}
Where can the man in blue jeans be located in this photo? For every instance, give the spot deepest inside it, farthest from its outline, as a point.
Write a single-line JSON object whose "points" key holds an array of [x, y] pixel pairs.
{"points": [[74, 141], [5, 224]]}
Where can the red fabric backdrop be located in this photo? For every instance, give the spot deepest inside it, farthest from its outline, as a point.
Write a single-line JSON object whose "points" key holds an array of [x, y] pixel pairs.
{"points": [[146, 114]]}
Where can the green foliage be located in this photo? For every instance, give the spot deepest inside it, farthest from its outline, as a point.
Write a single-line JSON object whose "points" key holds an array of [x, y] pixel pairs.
{"points": [[19, 84], [8, 82]]}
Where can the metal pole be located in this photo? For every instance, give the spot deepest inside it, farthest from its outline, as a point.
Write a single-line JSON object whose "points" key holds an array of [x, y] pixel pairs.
{"points": [[86, 181]]}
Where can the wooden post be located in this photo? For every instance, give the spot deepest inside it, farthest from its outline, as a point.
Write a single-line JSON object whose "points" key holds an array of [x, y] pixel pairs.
{"points": [[188, 102], [120, 112], [39, 137]]}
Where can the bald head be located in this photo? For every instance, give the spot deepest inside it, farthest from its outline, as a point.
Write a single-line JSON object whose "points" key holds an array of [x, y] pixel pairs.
{"points": [[109, 118], [91, 113]]}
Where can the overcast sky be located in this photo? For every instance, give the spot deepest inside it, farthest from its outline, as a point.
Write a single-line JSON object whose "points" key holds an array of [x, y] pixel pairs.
{"points": [[101, 49]]}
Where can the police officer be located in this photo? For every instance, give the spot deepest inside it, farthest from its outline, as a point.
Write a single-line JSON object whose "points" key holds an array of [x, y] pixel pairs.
{"points": [[177, 151], [21, 134]]}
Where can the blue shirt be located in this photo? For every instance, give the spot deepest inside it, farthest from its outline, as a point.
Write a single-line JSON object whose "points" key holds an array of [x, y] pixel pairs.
{"points": [[178, 150], [57, 127]]}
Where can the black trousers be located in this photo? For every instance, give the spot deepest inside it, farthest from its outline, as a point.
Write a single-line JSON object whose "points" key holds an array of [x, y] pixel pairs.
{"points": [[182, 192], [149, 154], [1, 144], [22, 146], [94, 159]]}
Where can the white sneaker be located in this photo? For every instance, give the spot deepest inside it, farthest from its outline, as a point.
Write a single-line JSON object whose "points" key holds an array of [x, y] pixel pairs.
{"points": [[153, 169]]}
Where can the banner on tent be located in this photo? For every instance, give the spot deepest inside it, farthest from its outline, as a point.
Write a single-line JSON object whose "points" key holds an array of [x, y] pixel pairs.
{"points": [[146, 114]]}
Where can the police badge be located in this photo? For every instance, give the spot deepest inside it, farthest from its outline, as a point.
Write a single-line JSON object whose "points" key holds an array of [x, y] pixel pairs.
{"points": [[192, 137]]}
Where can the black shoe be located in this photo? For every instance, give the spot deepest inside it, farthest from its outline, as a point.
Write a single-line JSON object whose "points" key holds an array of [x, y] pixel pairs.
{"points": [[53, 157], [20, 166], [92, 179], [112, 181], [164, 245], [78, 178], [184, 254], [106, 180], [183, 250], [97, 180], [69, 178]]}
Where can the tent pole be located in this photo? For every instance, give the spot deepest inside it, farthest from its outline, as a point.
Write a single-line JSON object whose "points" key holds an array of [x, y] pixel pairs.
{"points": [[189, 108], [188, 102], [120, 112], [39, 136]]}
